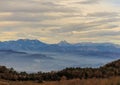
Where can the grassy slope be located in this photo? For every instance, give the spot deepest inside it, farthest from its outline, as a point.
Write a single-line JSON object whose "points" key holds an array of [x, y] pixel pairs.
{"points": [[107, 81]]}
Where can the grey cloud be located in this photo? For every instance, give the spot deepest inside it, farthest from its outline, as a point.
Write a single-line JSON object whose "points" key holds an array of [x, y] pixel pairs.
{"points": [[89, 2], [26, 17], [103, 34], [66, 28], [112, 26], [104, 14], [88, 26], [50, 4], [28, 6], [35, 17], [36, 35], [25, 25]]}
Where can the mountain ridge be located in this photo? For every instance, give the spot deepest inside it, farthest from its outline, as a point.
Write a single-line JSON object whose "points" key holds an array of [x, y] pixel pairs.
{"points": [[62, 41], [93, 49]]}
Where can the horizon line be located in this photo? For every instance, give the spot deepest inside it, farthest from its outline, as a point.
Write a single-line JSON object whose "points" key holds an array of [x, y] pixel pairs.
{"points": [[60, 41]]}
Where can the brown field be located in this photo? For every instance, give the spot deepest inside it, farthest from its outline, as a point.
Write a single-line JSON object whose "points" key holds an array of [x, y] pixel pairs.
{"points": [[107, 81]]}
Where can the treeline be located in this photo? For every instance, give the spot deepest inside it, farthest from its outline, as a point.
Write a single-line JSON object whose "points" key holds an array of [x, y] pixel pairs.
{"points": [[109, 70]]}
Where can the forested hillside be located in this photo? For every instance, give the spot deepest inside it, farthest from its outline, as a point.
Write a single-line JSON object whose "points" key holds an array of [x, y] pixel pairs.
{"points": [[106, 71]]}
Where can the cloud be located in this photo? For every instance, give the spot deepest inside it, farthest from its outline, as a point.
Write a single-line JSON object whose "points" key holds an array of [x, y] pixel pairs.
{"points": [[104, 14], [26, 17], [88, 26], [55, 20], [31, 6], [89, 2]]}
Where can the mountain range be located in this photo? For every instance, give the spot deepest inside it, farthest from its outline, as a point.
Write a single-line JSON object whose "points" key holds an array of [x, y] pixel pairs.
{"points": [[63, 46], [27, 44], [46, 57]]}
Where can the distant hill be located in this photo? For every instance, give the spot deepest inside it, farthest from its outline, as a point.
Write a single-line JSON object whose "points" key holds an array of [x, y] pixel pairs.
{"points": [[11, 55], [11, 51]]}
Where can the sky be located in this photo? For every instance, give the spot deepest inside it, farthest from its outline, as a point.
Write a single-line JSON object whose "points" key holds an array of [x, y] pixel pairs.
{"points": [[54, 20]]}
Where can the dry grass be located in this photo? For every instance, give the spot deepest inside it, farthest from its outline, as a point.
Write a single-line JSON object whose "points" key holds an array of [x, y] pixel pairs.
{"points": [[110, 81]]}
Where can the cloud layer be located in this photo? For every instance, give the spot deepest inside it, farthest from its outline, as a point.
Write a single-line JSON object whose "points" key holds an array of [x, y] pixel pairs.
{"points": [[55, 20]]}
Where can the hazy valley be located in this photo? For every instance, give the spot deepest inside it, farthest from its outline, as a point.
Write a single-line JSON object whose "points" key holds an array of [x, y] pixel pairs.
{"points": [[33, 55]]}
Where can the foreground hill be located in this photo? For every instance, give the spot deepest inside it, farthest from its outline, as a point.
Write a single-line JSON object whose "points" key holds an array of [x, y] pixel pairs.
{"points": [[107, 71]]}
